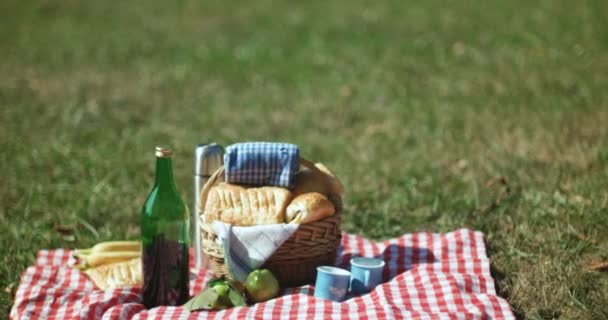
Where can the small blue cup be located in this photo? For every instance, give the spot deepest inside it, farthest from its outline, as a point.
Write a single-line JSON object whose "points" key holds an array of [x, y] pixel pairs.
{"points": [[332, 283], [366, 274]]}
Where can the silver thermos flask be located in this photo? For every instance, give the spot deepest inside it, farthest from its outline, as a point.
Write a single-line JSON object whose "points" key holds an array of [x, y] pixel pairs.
{"points": [[208, 157]]}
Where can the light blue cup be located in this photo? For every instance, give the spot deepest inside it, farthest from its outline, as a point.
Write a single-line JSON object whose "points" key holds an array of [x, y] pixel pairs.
{"points": [[332, 283], [366, 274]]}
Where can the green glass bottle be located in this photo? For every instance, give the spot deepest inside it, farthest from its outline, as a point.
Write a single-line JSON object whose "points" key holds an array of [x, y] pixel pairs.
{"points": [[165, 239]]}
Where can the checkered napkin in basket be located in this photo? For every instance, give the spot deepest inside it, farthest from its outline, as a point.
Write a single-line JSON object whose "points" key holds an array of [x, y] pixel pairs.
{"points": [[427, 276], [262, 164]]}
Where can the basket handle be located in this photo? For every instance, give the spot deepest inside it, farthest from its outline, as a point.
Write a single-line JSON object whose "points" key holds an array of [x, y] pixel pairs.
{"points": [[217, 177], [310, 165]]}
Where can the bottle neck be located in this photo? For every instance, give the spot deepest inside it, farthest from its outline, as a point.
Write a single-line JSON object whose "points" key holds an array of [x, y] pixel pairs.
{"points": [[164, 173]]}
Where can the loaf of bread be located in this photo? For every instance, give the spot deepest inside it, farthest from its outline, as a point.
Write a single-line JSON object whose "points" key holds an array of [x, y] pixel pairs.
{"points": [[321, 181], [117, 275], [244, 206], [309, 207]]}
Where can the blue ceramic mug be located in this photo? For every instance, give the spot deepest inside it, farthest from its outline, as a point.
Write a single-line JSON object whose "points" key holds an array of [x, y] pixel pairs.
{"points": [[332, 283], [366, 274]]}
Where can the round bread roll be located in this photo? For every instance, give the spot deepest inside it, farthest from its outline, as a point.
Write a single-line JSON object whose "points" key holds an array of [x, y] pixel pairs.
{"points": [[309, 207]]}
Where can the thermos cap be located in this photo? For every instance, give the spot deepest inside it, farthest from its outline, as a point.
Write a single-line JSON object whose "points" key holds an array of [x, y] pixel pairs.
{"points": [[208, 157]]}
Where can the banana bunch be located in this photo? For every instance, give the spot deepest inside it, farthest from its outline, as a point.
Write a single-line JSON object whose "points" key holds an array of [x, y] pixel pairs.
{"points": [[106, 253]]}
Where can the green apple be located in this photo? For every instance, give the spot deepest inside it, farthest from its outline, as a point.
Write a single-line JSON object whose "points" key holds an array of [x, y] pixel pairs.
{"points": [[261, 285], [221, 289]]}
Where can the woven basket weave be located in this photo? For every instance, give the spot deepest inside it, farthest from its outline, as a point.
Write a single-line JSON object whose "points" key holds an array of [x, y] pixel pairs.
{"points": [[294, 263]]}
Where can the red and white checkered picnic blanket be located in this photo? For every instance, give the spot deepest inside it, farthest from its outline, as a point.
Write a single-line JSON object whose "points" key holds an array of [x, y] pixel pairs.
{"points": [[427, 276]]}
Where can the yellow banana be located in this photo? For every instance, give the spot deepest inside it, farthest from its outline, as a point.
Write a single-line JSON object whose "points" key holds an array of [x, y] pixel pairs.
{"points": [[107, 252], [79, 253], [99, 258], [111, 246]]}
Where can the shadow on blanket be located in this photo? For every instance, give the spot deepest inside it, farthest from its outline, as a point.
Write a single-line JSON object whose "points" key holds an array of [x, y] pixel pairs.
{"points": [[398, 259]]}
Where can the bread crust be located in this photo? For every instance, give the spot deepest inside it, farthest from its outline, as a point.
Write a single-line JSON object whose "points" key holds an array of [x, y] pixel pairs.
{"points": [[117, 275], [246, 206], [309, 207]]}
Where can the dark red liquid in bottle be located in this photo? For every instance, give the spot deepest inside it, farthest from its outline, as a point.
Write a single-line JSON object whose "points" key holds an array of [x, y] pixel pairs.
{"points": [[165, 270]]}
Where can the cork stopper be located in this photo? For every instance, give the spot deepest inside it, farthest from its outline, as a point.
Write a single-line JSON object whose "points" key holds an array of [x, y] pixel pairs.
{"points": [[162, 152]]}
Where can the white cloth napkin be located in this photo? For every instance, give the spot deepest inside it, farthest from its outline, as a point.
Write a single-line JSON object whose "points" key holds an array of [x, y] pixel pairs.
{"points": [[247, 248]]}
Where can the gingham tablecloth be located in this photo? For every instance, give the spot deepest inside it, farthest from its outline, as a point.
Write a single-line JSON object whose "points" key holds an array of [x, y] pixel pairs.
{"points": [[427, 276]]}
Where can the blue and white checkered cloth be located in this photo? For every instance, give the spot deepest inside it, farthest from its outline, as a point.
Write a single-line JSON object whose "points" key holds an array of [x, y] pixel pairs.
{"points": [[247, 248], [262, 164]]}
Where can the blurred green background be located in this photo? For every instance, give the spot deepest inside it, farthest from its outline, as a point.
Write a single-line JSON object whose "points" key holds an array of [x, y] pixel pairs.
{"points": [[436, 115]]}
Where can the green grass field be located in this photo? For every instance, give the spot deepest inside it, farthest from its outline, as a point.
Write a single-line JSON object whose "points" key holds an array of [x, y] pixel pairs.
{"points": [[437, 115]]}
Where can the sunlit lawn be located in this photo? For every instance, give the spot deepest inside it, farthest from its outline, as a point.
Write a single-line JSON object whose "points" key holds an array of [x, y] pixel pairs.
{"points": [[436, 115]]}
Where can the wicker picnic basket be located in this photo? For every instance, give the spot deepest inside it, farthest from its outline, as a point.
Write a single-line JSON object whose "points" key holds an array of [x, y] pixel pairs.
{"points": [[295, 261]]}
